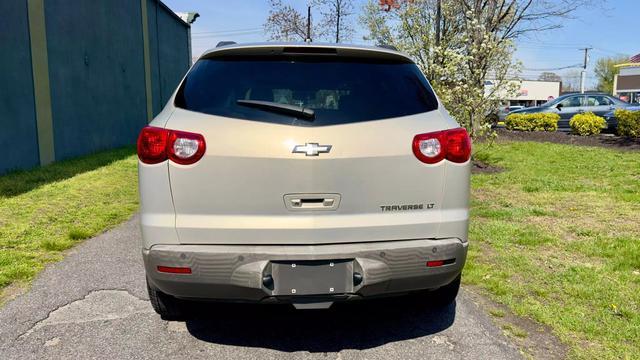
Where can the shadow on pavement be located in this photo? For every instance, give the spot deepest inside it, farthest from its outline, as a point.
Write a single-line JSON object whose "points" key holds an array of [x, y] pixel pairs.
{"points": [[355, 325]]}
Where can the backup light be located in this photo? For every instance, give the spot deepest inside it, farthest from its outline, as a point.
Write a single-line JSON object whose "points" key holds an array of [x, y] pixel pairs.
{"points": [[430, 147], [185, 148]]}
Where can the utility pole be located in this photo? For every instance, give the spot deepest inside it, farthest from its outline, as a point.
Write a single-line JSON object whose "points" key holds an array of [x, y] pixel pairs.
{"points": [[308, 39], [338, 8], [438, 21], [583, 73]]}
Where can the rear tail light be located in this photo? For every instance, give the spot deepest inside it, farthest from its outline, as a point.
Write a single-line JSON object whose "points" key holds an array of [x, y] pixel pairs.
{"points": [[185, 148], [152, 145], [453, 145], [156, 145]]}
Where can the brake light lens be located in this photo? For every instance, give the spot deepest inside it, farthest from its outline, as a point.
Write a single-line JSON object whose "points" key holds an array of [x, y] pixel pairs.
{"points": [[152, 145], [453, 145], [156, 145]]}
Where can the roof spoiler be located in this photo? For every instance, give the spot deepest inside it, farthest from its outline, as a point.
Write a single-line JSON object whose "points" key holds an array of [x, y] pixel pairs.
{"points": [[225, 48], [387, 46], [225, 43]]}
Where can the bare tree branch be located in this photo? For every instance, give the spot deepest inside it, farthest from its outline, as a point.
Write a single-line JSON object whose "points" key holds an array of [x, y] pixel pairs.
{"points": [[285, 23], [335, 23]]}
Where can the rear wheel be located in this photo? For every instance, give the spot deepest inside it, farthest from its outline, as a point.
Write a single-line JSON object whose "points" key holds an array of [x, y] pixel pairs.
{"points": [[447, 294], [444, 295], [167, 306]]}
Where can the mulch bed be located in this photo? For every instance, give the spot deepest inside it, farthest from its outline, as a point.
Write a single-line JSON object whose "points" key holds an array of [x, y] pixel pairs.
{"points": [[557, 137], [480, 167]]}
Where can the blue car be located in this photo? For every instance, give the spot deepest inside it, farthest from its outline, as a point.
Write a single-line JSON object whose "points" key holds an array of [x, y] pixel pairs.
{"points": [[612, 122], [571, 104]]}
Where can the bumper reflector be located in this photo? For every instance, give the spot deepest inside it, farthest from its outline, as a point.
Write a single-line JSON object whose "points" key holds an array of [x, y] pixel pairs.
{"points": [[174, 270], [436, 263]]}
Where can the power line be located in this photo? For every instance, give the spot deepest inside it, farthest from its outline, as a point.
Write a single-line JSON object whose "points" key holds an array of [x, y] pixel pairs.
{"points": [[226, 31], [550, 44], [606, 51], [228, 34], [556, 68]]}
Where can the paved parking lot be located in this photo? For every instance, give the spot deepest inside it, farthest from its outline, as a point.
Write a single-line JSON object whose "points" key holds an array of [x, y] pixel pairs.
{"points": [[94, 305]]}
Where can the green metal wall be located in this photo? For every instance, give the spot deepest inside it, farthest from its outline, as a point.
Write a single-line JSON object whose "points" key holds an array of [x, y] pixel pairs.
{"points": [[18, 134], [96, 74], [96, 71], [167, 62]]}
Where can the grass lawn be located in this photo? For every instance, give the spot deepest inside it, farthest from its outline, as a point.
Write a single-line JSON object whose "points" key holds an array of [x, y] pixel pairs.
{"points": [[556, 238], [47, 210]]}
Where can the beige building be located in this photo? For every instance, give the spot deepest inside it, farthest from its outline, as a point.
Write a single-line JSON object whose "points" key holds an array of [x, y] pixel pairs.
{"points": [[626, 85], [529, 93]]}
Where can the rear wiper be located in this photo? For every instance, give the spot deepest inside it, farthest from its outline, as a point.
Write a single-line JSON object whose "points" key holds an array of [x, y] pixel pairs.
{"points": [[305, 113]]}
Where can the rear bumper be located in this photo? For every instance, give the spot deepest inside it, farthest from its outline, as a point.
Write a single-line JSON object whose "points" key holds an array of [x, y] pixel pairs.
{"points": [[236, 272]]}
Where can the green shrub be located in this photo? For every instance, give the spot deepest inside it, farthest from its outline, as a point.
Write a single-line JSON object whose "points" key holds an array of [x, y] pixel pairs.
{"points": [[587, 124], [628, 122], [532, 122]]}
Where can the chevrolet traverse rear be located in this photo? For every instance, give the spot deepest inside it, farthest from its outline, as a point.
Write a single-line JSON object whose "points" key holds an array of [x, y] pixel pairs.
{"points": [[304, 174]]}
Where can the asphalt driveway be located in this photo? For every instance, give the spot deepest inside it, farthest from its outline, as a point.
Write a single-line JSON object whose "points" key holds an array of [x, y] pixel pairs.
{"points": [[94, 305]]}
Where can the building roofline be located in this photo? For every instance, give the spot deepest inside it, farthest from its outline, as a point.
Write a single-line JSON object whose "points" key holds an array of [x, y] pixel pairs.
{"points": [[173, 13], [637, 64], [515, 79]]}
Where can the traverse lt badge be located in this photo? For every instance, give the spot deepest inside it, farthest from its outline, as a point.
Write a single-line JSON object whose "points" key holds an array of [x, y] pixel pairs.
{"points": [[311, 149]]}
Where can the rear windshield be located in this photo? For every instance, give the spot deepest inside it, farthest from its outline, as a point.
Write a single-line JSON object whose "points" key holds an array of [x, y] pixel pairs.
{"points": [[339, 90]]}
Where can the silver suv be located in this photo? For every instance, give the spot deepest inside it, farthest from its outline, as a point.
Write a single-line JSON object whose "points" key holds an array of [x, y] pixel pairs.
{"points": [[303, 174]]}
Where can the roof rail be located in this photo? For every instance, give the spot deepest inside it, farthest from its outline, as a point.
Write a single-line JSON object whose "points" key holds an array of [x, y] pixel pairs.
{"points": [[225, 43], [387, 46]]}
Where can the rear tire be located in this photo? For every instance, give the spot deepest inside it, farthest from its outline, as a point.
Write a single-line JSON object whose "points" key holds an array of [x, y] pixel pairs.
{"points": [[441, 296], [167, 306], [445, 295]]}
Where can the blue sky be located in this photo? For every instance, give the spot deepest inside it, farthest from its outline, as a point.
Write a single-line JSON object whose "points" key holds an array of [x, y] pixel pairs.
{"points": [[610, 29]]}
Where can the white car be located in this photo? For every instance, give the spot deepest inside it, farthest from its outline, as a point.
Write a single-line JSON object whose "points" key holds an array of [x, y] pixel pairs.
{"points": [[304, 174]]}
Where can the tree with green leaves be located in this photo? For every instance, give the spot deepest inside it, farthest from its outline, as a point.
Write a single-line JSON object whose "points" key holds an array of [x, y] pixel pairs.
{"points": [[606, 71], [461, 44]]}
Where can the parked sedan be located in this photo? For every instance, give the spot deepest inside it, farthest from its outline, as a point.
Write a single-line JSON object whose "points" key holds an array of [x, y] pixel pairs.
{"points": [[504, 111], [571, 104], [612, 121]]}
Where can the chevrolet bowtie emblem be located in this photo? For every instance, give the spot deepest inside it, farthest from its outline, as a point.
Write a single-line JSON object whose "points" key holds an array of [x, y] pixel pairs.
{"points": [[311, 149]]}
